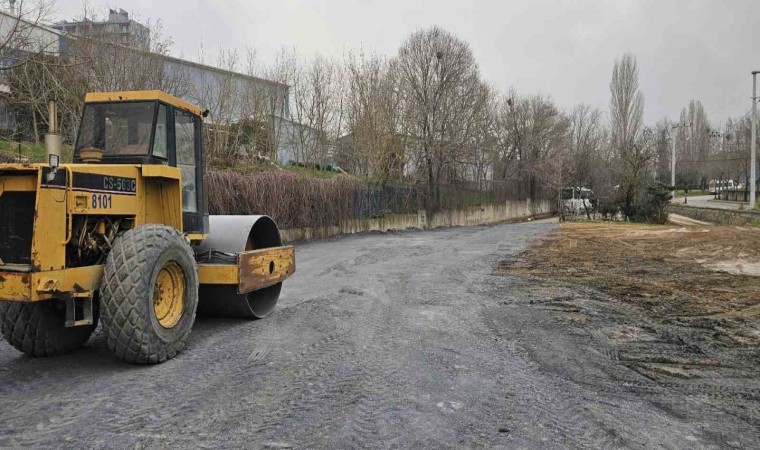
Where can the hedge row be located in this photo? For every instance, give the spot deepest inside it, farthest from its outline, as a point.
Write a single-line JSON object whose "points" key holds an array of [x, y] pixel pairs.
{"points": [[292, 200]]}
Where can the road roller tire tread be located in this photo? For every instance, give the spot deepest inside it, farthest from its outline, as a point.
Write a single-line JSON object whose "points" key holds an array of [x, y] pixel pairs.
{"points": [[37, 329], [132, 330]]}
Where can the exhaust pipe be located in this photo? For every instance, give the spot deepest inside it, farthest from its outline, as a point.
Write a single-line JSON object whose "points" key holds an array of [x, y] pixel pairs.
{"points": [[53, 140]]}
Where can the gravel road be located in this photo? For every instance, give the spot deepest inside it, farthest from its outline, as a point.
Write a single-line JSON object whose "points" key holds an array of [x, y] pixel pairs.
{"points": [[399, 340]]}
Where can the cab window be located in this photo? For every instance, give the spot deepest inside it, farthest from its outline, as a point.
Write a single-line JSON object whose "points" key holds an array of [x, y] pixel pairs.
{"points": [[184, 132], [118, 129], [159, 140]]}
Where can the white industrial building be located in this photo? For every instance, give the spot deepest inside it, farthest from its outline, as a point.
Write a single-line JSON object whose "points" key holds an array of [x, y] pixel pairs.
{"points": [[201, 82]]}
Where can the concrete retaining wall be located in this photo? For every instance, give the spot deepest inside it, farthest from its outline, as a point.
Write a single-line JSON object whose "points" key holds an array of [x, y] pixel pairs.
{"points": [[471, 216], [734, 195], [715, 215]]}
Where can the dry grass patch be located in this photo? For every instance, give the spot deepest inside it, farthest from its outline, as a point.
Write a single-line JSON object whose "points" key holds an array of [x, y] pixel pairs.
{"points": [[708, 276]]}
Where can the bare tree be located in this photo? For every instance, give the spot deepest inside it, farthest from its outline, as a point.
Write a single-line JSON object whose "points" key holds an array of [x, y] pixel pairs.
{"points": [[482, 155], [265, 97], [439, 82], [626, 104], [317, 109], [586, 142], [692, 145], [738, 135], [588, 148], [22, 36], [218, 92], [532, 132], [508, 134], [375, 144], [93, 62], [626, 116], [663, 143], [283, 71]]}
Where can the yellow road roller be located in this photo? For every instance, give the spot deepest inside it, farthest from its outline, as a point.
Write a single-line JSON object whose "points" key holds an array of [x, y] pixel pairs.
{"points": [[123, 236]]}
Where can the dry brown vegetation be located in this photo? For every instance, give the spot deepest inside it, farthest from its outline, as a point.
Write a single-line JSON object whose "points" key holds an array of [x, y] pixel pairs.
{"points": [[705, 276], [298, 200], [292, 200], [672, 313]]}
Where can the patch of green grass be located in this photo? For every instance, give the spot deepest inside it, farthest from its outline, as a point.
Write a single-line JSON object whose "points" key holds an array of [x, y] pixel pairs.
{"points": [[250, 166], [455, 199], [243, 166], [34, 152], [312, 172], [681, 192]]}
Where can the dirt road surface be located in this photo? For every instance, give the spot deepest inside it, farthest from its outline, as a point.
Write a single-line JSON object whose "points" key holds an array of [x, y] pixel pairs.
{"points": [[415, 340]]}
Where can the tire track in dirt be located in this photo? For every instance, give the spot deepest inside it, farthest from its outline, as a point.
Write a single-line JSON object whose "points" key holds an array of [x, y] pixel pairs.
{"points": [[234, 388], [380, 367], [267, 408], [314, 359], [633, 379], [150, 422], [580, 423], [576, 424]]}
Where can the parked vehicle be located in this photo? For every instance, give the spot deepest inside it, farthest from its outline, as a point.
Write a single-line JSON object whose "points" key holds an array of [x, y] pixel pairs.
{"points": [[577, 200], [716, 186]]}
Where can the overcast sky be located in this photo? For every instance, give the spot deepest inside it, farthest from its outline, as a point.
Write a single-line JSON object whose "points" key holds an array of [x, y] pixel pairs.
{"points": [[686, 49]]}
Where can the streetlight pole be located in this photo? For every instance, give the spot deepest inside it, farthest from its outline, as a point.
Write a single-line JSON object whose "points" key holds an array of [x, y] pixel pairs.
{"points": [[753, 150], [673, 166]]}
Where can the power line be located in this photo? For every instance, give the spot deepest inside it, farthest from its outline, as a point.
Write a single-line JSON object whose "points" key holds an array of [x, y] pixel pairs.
{"points": [[736, 123], [740, 86]]}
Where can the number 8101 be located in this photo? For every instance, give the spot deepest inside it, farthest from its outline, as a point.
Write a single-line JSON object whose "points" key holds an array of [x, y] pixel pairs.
{"points": [[102, 201]]}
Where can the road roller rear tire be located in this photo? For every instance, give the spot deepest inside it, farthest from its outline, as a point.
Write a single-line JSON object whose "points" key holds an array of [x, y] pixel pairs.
{"points": [[37, 329], [149, 294]]}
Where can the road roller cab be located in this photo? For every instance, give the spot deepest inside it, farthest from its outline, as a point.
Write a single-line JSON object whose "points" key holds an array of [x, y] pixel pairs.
{"points": [[123, 234]]}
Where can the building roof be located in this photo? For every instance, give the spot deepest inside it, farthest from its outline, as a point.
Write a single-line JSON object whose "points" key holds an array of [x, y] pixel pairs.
{"points": [[121, 96], [32, 24], [189, 63], [170, 59], [222, 71]]}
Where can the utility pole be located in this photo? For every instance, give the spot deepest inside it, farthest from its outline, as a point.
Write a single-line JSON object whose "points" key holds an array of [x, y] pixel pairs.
{"points": [[753, 149]]}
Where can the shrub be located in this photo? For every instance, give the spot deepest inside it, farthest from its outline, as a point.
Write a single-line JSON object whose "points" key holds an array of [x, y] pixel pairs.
{"points": [[608, 208], [292, 200], [650, 203]]}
